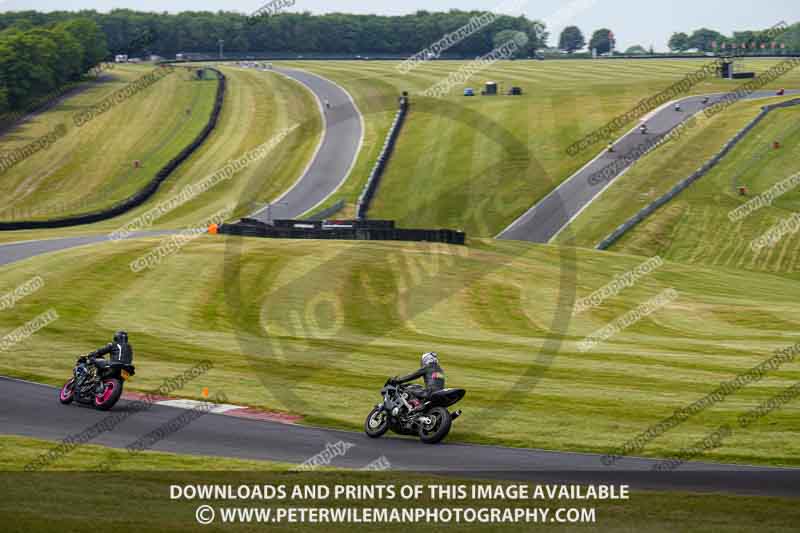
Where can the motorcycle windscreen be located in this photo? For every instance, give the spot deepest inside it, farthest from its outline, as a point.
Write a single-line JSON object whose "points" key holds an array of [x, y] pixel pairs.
{"points": [[447, 397]]}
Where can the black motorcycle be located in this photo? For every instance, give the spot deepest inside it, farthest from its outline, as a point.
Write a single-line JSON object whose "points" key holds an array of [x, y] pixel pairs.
{"points": [[404, 414], [96, 382]]}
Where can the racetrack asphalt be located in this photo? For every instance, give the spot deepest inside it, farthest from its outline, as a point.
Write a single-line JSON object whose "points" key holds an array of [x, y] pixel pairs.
{"points": [[18, 251], [33, 410], [542, 222], [341, 141]]}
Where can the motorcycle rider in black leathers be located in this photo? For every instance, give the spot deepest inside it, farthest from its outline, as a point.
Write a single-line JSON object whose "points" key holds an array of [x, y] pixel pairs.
{"points": [[120, 350], [433, 374]]}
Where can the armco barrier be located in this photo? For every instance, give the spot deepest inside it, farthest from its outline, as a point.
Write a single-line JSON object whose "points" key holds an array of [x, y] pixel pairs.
{"points": [[708, 165], [352, 230], [327, 224], [371, 187], [144, 194]]}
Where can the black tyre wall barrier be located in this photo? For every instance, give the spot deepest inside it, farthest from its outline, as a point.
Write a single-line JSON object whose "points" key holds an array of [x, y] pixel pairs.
{"points": [[371, 187], [353, 230], [144, 194], [683, 184]]}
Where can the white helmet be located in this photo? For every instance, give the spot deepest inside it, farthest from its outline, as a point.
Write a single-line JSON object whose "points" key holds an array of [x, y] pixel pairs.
{"points": [[429, 358]]}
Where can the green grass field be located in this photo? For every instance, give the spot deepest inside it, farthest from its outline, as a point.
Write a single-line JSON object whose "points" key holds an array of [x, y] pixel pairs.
{"points": [[71, 506], [92, 167], [478, 163], [695, 227], [257, 107], [16, 452], [660, 170], [489, 160], [299, 326]]}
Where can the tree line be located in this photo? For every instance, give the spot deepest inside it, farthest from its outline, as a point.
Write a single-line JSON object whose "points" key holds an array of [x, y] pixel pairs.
{"points": [[42, 52], [785, 39], [36, 61], [707, 40], [132, 32]]}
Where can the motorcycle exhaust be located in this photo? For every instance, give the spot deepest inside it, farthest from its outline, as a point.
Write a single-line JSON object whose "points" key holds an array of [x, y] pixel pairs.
{"points": [[455, 415]]}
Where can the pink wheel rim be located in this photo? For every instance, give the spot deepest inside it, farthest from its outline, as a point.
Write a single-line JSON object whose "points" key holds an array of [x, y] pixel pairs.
{"points": [[106, 394], [66, 390]]}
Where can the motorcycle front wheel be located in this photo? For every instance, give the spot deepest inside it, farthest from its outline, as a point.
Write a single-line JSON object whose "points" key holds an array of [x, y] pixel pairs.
{"points": [[112, 390], [67, 393], [377, 423], [438, 428]]}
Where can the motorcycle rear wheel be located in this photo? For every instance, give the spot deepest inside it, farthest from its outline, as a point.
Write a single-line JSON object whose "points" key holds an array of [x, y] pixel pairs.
{"points": [[112, 390], [440, 427], [377, 423]]}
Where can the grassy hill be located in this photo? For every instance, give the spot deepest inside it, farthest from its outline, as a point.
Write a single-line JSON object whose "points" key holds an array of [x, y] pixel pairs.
{"points": [[92, 167], [499, 155], [306, 326], [696, 228], [474, 164], [659, 171], [302, 326], [257, 107]]}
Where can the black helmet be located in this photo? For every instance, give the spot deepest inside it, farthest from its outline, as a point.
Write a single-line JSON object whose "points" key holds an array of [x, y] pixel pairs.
{"points": [[121, 337]]}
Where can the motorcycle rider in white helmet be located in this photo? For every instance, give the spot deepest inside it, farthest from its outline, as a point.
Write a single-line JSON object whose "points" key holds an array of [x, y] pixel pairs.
{"points": [[433, 374]]}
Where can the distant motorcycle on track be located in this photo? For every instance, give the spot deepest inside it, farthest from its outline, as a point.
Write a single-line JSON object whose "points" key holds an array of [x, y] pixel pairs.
{"points": [[96, 382], [431, 420]]}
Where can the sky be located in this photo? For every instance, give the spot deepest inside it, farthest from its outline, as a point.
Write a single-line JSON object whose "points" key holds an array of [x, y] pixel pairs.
{"points": [[643, 22]]}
